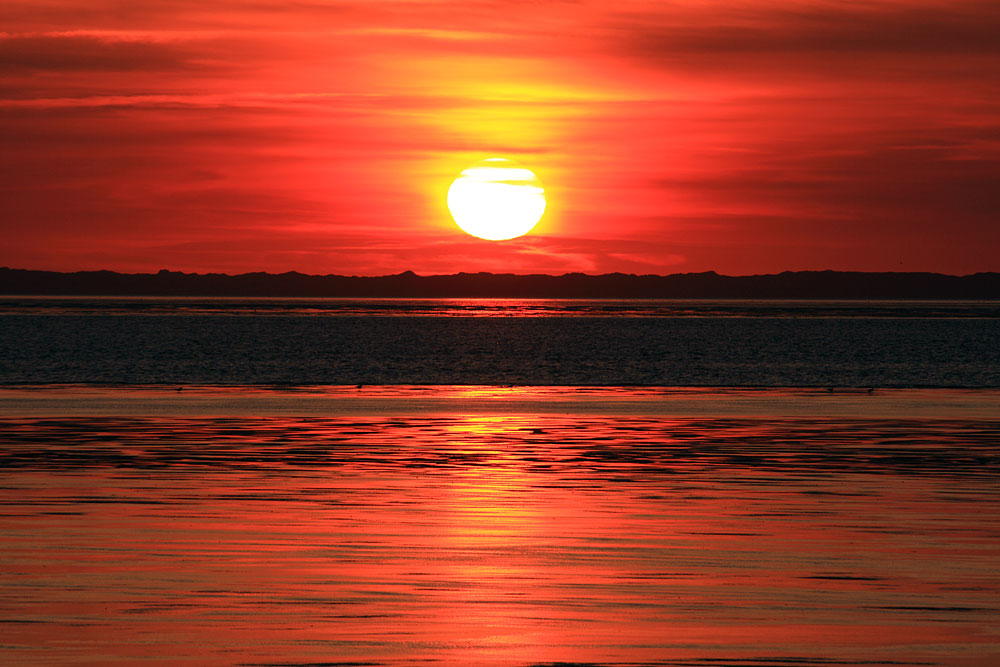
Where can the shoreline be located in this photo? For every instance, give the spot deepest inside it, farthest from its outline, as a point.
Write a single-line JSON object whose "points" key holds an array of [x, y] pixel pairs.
{"points": [[36, 401]]}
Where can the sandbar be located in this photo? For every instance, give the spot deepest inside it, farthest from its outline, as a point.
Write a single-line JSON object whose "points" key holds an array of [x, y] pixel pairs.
{"points": [[334, 401]]}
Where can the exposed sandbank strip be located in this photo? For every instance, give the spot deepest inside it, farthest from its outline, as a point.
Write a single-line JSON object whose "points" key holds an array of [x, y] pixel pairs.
{"points": [[62, 400]]}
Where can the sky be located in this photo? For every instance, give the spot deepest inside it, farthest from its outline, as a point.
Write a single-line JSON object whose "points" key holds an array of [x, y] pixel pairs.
{"points": [[322, 136]]}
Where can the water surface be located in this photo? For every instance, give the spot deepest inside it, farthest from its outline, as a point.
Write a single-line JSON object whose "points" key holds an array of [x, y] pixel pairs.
{"points": [[457, 307], [511, 539], [445, 342]]}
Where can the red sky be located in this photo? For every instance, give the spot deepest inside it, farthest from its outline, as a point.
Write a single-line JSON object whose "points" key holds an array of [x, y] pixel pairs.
{"points": [[321, 136]]}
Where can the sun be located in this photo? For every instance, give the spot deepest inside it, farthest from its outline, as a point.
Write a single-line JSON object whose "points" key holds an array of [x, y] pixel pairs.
{"points": [[496, 199]]}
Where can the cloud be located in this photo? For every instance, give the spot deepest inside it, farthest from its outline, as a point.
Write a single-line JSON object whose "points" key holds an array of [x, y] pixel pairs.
{"points": [[906, 178], [76, 53], [910, 28]]}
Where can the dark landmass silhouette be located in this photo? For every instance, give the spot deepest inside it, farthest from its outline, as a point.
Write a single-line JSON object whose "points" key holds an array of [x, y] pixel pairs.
{"points": [[708, 285]]}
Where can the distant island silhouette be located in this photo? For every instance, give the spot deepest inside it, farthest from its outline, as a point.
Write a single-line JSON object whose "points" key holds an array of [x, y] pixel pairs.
{"points": [[707, 285]]}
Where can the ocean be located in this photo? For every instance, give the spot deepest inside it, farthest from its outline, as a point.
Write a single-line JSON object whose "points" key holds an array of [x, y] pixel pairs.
{"points": [[499, 482], [485, 341]]}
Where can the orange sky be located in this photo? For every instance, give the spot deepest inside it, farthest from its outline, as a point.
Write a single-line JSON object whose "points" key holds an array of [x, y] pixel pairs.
{"points": [[321, 136]]}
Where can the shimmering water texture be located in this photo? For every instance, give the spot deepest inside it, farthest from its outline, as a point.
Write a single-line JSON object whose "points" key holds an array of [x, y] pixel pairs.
{"points": [[602, 308], [500, 539], [296, 342]]}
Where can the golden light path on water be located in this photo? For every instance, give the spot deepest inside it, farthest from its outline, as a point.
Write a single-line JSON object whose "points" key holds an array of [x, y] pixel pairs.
{"points": [[514, 538]]}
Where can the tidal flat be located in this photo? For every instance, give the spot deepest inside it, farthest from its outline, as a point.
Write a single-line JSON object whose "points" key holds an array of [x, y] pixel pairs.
{"points": [[499, 526]]}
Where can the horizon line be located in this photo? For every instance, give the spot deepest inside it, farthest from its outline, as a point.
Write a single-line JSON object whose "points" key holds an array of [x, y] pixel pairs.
{"points": [[411, 273]]}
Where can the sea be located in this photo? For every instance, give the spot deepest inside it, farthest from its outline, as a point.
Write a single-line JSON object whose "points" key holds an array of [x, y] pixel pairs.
{"points": [[536, 483], [296, 342]]}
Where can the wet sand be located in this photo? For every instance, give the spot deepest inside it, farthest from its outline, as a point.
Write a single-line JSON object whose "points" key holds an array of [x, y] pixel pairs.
{"points": [[511, 526], [180, 400]]}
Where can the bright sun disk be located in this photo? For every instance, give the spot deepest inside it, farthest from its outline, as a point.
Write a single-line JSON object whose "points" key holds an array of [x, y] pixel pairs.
{"points": [[496, 199]]}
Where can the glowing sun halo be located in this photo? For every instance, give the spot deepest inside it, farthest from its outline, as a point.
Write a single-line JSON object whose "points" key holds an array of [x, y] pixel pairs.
{"points": [[496, 199]]}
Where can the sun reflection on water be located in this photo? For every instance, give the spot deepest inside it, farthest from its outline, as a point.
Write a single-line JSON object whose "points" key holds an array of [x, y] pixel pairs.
{"points": [[498, 539]]}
